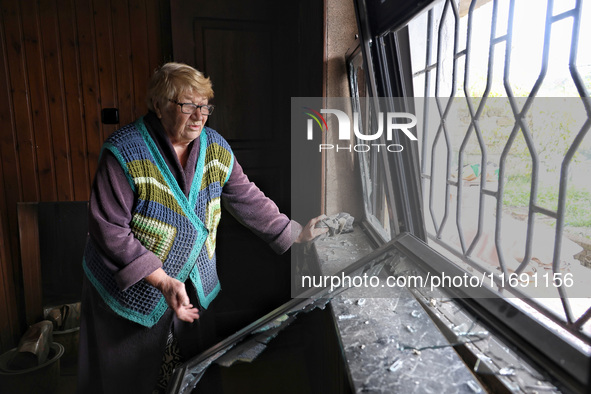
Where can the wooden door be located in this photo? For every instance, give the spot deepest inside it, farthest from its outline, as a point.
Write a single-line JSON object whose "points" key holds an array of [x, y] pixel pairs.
{"points": [[258, 54]]}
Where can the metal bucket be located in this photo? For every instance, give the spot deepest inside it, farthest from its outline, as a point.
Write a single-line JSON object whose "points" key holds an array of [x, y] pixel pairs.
{"points": [[43, 378]]}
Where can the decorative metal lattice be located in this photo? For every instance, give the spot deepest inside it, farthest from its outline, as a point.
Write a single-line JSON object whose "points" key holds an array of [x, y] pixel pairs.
{"points": [[435, 71]]}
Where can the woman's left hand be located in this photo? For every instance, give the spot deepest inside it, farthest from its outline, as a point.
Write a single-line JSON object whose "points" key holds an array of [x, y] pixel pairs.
{"points": [[175, 294]]}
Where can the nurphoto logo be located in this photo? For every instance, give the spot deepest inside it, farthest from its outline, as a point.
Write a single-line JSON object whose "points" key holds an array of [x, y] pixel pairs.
{"points": [[391, 121]]}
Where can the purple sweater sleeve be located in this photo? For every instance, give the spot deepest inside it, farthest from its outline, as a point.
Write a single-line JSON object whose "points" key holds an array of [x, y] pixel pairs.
{"points": [[249, 205]]}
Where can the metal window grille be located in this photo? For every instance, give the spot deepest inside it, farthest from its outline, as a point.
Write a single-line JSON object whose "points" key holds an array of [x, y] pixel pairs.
{"points": [[443, 28]]}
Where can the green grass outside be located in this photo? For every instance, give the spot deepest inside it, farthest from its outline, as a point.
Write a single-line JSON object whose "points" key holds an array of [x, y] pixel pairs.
{"points": [[578, 200]]}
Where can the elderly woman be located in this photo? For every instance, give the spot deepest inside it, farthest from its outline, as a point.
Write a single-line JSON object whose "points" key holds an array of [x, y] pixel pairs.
{"points": [[150, 260]]}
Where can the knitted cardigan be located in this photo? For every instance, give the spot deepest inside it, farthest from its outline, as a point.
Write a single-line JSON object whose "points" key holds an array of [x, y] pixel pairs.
{"points": [[180, 230]]}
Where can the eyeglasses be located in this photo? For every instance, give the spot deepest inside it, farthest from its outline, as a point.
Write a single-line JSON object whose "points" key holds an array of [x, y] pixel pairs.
{"points": [[189, 108]]}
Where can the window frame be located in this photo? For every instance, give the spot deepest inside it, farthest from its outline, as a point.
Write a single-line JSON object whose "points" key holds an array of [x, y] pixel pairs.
{"points": [[370, 163], [384, 44]]}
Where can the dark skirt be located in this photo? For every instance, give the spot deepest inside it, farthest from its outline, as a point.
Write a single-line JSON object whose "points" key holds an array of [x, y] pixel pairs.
{"points": [[119, 356]]}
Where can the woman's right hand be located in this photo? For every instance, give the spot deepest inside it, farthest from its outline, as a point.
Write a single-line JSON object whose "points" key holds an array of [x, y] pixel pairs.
{"points": [[175, 295], [310, 231]]}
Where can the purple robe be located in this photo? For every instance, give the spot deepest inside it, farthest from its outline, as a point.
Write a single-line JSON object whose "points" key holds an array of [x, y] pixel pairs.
{"points": [[117, 355]]}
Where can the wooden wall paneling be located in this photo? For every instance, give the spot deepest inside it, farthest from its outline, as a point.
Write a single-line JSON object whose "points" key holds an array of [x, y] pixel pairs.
{"points": [[5, 119], [8, 151], [22, 119], [123, 54], [62, 61], [106, 59], [73, 86], [31, 261], [183, 27], [90, 83], [57, 125], [36, 82], [8, 314], [157, 14], [10, 192], [141, 67], [22, 133], [153, 35], [7, 143]]}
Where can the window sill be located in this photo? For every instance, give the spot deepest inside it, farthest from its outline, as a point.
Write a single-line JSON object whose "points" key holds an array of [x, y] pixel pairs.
{"points": [[400, 339], [393, 339]]}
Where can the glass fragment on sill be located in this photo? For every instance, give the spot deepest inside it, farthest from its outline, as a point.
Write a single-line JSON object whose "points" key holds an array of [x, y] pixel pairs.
{"points": [[195, 374], [375, 270], [483, 368], [320, 303], [540, 387], [265, 337], [274, 324], [460, 331], [507, 371], [473, 334], [245, 352], [482, 365], [473, 386], [396, 365]]}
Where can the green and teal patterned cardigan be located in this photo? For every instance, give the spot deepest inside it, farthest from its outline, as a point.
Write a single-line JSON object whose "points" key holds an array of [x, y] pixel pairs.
{"points": [[180, 230]]}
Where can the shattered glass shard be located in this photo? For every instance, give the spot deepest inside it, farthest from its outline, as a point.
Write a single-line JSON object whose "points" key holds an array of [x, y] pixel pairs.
{"points": [[396, 366], [246, 352], [473, 386], [275, 323]]}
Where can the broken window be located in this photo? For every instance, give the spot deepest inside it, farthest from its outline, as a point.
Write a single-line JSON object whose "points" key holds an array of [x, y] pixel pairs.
{"points": [[501, 91]]}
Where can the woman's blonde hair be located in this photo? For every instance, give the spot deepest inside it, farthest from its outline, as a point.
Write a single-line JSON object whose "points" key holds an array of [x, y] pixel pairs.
{"points": [[173, 79]]}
